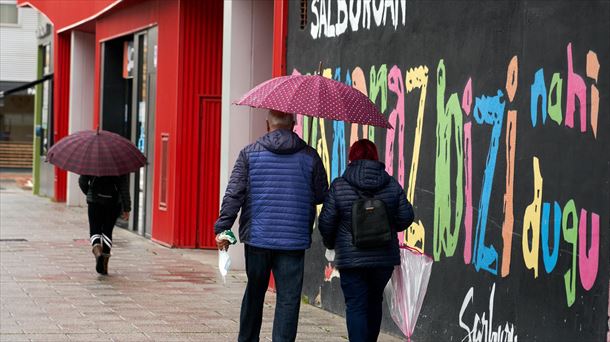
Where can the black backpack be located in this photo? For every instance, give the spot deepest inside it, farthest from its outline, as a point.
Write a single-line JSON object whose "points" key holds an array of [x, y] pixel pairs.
{"points": [[104, 190], [370, 223]]}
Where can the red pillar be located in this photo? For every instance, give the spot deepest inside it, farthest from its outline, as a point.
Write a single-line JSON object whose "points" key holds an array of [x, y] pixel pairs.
{"points": [[280, 33], [61, 97]]}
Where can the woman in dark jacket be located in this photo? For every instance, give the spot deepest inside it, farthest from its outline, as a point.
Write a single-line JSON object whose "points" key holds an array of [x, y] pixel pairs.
{"points": [[107, 199], [364, 273]]}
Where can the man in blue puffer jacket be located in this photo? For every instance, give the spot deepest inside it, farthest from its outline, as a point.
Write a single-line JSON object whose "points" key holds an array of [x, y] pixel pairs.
{"points": [[276, 182]]}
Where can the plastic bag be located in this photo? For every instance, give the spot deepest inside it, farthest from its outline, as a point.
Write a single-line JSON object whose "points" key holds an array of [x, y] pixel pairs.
{"points": [[224, 264], [224, 259], [407, 288], [330, 254]]}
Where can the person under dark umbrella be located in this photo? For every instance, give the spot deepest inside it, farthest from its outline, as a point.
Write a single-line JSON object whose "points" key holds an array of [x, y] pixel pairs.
{"points": [[107, 199], [104, 161]]}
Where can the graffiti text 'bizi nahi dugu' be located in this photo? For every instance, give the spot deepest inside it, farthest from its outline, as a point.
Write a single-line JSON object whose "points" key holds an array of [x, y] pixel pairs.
{"points": [[455, 118]]}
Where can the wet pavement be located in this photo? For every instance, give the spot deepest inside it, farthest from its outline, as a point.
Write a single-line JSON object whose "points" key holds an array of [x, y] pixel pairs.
{"points": [[49, 290]]}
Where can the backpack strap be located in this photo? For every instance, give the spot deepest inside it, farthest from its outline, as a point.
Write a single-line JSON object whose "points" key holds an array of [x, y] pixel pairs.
{"points": [[363, 194]]}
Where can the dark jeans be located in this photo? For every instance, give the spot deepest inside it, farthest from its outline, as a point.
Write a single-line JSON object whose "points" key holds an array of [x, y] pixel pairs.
{"points": [[288, 267], [363, 292], [102, 219]]}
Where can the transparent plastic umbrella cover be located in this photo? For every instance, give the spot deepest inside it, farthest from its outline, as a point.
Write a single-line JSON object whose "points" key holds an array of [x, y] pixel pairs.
{"points": [[407, 288]]}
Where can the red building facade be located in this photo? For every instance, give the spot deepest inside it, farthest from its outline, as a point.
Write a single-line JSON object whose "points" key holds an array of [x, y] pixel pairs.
{"points": [[177, 97]]}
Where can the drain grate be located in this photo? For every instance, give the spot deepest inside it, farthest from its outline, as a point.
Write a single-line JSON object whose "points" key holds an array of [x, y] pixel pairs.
{"points": [[13, 240]]}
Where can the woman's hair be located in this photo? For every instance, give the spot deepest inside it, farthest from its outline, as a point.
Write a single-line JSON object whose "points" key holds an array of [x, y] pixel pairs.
{"points": [[363, 149]]}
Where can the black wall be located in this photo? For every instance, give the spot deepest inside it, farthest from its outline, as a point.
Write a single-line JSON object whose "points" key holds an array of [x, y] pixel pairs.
{"points": [[465, 210]]}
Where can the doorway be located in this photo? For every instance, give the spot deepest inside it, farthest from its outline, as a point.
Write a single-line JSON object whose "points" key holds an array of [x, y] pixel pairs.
{"points": [[128, 103], [210, 118]]}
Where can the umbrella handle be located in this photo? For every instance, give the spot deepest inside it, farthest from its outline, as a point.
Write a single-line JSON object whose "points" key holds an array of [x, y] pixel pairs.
{"points": [[309, 135]]}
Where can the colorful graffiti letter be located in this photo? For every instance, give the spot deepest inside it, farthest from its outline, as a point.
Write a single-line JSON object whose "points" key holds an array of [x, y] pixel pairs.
{"points": [[570, 235], [531, 222], [397, 120], [444, 238], [488, 110], [550, 258], [416, 78], [588, 259]]}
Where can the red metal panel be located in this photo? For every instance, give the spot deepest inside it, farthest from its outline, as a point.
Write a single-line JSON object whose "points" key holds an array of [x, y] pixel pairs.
{"points": [[166, 116], [200, 71], [61, 99], [209, 170], [280, 32], [129, 19], [66, 13]]}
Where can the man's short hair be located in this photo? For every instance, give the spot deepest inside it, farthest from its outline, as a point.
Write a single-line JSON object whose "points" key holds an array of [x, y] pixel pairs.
{"points": [[280, 119]]}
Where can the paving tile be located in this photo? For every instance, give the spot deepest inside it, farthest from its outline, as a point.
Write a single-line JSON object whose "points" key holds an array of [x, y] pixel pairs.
{"points": [[48, 337], [14, 337], [10, 329], [50, 291], [88, 337]]}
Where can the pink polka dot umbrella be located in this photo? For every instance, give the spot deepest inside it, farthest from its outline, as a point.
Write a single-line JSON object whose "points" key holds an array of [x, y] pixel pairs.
{"points": [[316, 96]]}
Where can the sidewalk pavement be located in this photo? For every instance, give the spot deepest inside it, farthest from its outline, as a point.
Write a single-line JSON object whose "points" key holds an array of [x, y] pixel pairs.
{"points": [[49, 290]]}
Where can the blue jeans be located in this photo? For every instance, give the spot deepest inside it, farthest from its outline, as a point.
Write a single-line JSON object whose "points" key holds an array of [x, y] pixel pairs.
{"points": [[363, 292], [288, 267]]}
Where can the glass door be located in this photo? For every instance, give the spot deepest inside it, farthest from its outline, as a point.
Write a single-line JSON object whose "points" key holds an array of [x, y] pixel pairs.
{"points": [[145, 44]]}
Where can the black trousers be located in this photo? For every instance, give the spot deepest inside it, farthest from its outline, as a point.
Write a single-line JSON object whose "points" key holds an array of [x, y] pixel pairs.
{"points": [[102, 219]]}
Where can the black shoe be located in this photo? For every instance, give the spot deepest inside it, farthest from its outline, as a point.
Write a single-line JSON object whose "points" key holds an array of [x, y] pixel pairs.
{"points": [[99, 260], [99, 265], [105, 258]]}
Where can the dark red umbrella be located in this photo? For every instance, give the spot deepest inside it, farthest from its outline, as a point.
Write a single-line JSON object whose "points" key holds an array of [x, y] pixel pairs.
{"points": [[317, 96], [96, 153]]}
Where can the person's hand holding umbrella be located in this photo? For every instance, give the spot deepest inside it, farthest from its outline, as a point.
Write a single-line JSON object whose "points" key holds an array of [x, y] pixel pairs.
{"points": [[125, 216]]}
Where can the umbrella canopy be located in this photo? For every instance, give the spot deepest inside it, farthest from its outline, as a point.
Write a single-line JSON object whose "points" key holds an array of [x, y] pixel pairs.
{"points": [[96, 153], [316, 96], [407, 288]]}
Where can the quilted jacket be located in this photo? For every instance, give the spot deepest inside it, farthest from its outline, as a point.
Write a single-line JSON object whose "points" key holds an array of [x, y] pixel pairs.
{"points": [[122, 184], [335, 222], [276, 182]]}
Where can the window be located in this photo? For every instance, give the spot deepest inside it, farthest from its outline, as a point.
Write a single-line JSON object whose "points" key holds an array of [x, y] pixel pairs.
{"points": [[46, 59], [9, 14]]}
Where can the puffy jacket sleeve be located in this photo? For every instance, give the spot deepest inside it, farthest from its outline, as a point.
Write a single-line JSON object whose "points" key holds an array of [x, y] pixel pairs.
{"points": [[123, 186], [320, 180], [235, 195], [404, 215], [328, 222], [83, 183]]}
